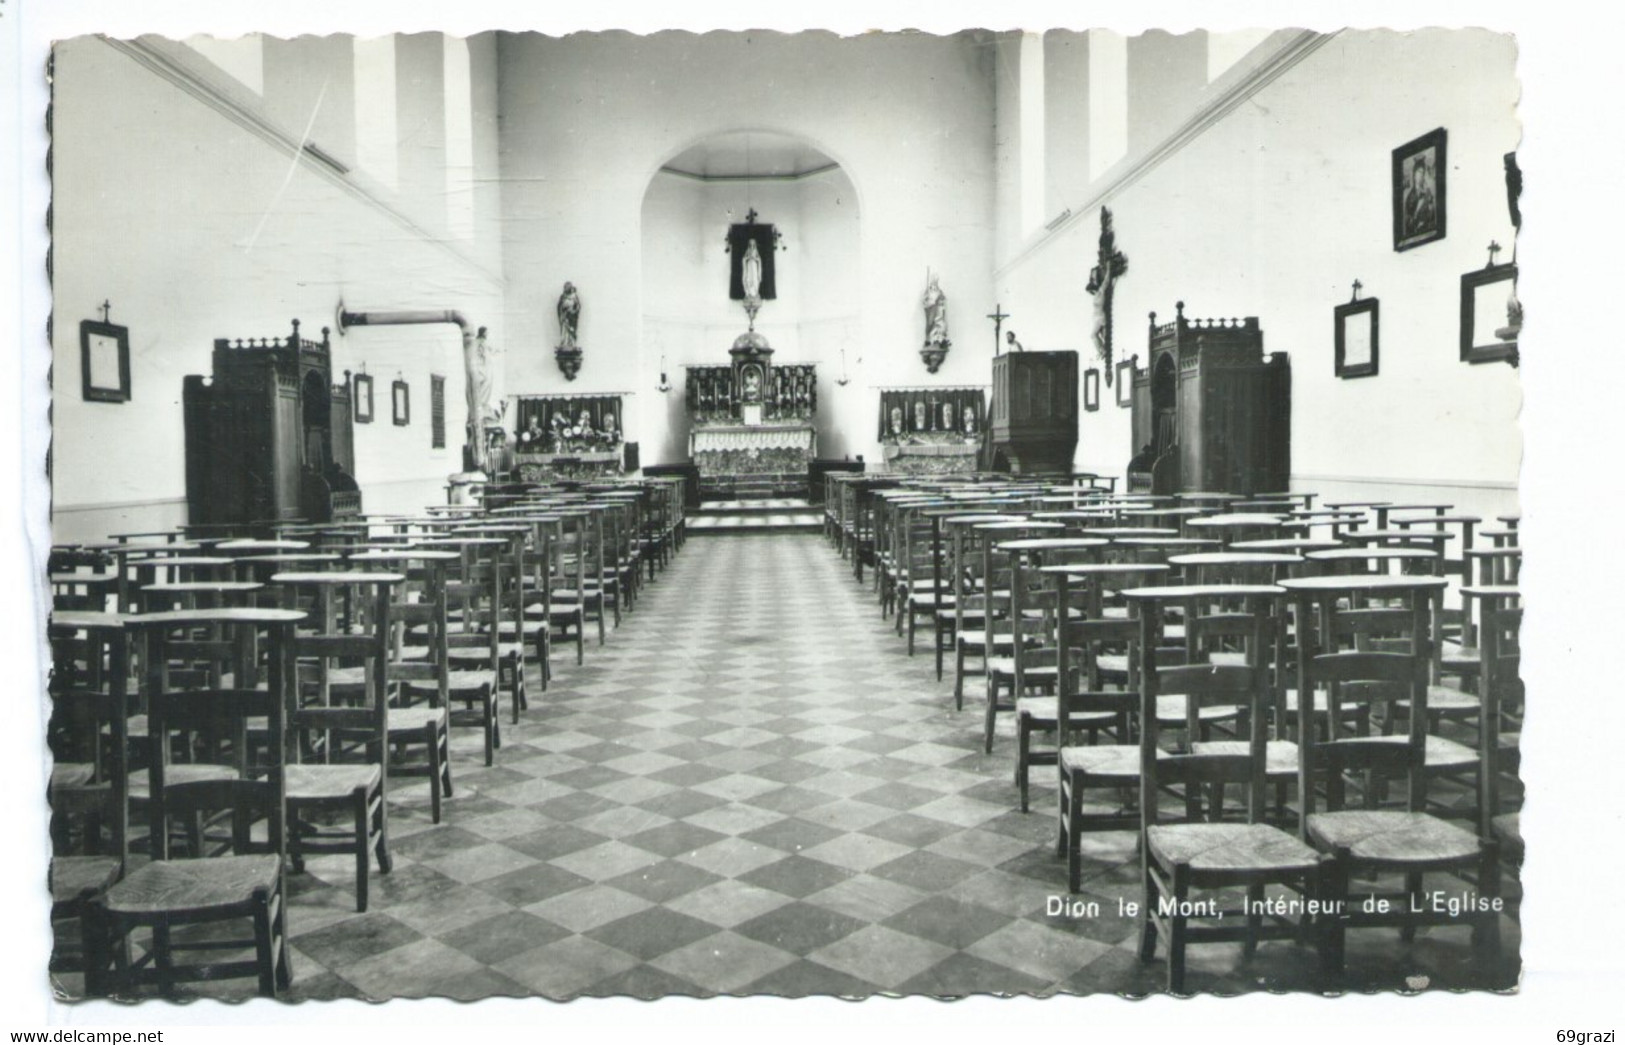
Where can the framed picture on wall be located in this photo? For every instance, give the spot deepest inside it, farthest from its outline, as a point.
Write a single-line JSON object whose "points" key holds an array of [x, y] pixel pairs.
{"points": [[363, 399], [1355, 334], [1419, 182], [1125, 381], [1490, 315], [104, 361], [401, 397], [1091, 389]]}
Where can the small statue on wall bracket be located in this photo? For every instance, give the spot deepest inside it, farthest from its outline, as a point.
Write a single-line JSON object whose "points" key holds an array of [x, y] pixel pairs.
{"points": [[936, 346], [568, 353], [1110, 264]]}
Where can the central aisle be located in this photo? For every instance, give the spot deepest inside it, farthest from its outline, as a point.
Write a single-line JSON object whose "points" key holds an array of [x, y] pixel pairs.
{"points": [[751, 788]]}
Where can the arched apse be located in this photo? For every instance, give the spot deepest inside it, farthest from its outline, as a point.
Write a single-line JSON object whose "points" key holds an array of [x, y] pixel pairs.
{"points": [[687, 316]]}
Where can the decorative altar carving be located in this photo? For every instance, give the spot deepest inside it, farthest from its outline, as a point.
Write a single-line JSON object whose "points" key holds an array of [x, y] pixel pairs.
{"points": [[544, 467], [714, 394], [752, 449]]}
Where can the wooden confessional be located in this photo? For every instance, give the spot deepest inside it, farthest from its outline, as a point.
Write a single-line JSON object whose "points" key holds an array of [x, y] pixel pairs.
{"points": [[1211, 410], [269, 436]]}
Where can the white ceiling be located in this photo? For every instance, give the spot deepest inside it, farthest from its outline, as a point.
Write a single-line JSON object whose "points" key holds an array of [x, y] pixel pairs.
{"points": [[749, 154]]}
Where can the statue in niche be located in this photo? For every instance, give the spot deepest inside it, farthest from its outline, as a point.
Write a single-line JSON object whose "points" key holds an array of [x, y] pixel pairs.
{"points": [[897, 431], [936, 315], [569, 313], [970, 422]]}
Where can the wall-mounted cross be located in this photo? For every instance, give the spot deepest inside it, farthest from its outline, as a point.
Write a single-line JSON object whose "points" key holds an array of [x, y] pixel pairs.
{"points": [[1357, 286], [998, 316], [1495, 248], [107, 310], [1111, 264]]}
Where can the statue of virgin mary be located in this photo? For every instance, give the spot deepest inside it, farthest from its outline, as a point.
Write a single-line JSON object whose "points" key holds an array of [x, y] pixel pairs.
{"points": [[750, 272]]}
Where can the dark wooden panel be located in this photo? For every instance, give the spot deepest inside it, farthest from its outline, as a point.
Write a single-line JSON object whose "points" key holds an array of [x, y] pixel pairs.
{"points": [[1035, 410]]}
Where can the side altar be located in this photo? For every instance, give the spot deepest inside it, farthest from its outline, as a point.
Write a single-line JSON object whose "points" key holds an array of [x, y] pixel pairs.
{"points": [[932, 431], [568, 437]]}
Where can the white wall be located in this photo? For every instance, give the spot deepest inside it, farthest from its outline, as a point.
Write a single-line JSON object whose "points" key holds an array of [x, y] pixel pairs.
{"points": [[196, 228], [1273, 212], [587, 121]]}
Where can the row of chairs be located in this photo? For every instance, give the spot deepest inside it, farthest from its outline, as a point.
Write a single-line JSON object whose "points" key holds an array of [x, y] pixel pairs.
{"points": [[1169, 646], [267, 689]]}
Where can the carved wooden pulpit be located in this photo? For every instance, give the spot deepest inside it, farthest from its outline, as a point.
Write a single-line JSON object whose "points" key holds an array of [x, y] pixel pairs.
{"points": [[1035, 412]]}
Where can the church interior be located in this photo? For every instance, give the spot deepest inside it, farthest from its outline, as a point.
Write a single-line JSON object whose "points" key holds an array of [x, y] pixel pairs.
{"points": [[1001, 513]]}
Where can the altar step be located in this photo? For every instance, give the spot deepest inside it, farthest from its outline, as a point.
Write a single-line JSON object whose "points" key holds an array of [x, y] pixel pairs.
{"points": [[755, 487], [754, 516]]}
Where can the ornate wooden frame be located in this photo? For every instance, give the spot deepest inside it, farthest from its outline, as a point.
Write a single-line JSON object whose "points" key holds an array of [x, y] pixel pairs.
{"points": [[1342, 316], [400, 399], [98, 392], [1483, 346], [363, 398], [1432, 140], [1125, 380], [1091, 389]]}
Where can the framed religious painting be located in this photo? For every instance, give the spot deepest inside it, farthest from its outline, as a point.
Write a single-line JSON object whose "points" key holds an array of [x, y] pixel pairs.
{"points": [[104, 361], [363, 399], [1354, 332], [1125, 381], [1091, 389], [1490, 315], [401, 399], [1419, 190]]}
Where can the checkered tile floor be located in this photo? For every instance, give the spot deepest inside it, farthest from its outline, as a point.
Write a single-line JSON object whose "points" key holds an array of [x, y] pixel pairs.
{"points": [[752, 789]]}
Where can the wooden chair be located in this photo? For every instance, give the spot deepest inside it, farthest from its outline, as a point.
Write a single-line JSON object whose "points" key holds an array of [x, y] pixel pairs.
{"points": [[1502, 692], [920, 582], [969, 607], [419, 657], [473, 638], [577, 597], [323, 782], [1368, 841], [533, 619], [1083, 703], [511, 599], [167, 896], [88, 737], [1180, 859], [1031, 667]]}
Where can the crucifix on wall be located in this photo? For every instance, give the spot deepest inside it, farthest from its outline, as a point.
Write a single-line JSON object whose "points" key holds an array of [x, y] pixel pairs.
{"points": [[1110, 264]]}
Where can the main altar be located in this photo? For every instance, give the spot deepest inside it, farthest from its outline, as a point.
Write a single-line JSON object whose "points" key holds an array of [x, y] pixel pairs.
{"points": [[750, 417], [750, 421]]}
